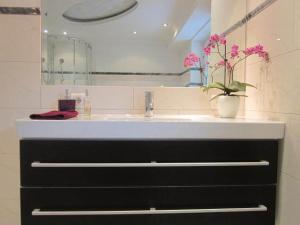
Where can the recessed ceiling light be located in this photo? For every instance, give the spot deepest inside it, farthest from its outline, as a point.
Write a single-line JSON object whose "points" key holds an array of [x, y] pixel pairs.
{"points": [[278, 39], [165, 25], [46, 31], [65, 33], [134, 32]]}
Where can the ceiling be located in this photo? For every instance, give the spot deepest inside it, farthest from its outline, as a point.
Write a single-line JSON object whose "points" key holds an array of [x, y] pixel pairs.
{"points": [[185, 18]]}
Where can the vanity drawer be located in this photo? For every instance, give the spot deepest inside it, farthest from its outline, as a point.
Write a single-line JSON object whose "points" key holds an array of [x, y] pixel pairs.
{"points": [[233, 205], [65, 163]]}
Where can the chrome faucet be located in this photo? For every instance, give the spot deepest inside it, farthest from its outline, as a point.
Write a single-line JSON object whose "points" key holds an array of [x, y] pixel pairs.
{"points": [[149, 104]]}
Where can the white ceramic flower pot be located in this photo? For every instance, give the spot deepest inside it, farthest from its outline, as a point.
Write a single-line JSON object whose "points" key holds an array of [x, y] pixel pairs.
{"points": [[228, 106]]}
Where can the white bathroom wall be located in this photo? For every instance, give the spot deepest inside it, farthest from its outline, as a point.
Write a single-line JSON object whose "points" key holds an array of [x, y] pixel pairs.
{"points": [[20, 95], [277, 94], [120, 99]]}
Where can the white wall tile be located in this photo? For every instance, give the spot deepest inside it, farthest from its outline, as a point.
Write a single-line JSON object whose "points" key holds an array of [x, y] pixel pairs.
{"points": [[114, 111], [20, 85], [297, 23], [288, 201], [277, 95], [9, 176], [173, 98], [10, 212], [20, 38], [275, 22], [234, 10], [252, 4], [20, 96], [256, 75], [102, 97], [111, 97], [290, 145], [121, 99], [9, 142], [278, 84]]}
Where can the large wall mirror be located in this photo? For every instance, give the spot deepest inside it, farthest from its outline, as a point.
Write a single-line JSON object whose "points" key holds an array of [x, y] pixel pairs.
{"points": [[124, 42]]}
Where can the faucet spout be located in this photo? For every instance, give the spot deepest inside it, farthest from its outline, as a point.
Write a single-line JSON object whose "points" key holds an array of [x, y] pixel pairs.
{"points": [[149, 104]]}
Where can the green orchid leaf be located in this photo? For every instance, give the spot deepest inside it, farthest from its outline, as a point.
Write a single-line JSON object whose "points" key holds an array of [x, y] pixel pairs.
{"points": [[240, 95], [215, 85], [249, 85], [231, 89], [237, 86], [220, 84], [213, 98], [240, 86]]}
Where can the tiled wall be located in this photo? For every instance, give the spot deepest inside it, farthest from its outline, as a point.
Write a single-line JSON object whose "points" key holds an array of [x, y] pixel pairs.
{"points": [[131, 99], [22, 94], [277, 93], [277, 96]]}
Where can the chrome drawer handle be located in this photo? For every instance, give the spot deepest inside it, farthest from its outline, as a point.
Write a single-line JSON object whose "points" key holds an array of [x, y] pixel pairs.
{"points": [[152, 211], [152, 164]]}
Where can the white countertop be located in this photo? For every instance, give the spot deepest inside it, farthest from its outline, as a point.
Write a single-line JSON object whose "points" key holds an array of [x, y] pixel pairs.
{"points": [[163, 127]]}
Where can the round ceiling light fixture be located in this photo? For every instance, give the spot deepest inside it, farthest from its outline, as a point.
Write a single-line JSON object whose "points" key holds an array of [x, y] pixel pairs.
{"points": [[97, 10]]}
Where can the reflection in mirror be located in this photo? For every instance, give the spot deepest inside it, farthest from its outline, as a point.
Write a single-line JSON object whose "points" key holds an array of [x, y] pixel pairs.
{"points": [[124, 42]]}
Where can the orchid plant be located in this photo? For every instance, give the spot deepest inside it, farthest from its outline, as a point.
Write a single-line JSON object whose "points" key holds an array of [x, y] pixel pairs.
{"points": [[193, 61], [230, 86]]}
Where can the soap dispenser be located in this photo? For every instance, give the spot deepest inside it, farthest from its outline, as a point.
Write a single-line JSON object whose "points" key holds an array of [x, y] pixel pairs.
{"points": [[66, 104], [87, 105]]}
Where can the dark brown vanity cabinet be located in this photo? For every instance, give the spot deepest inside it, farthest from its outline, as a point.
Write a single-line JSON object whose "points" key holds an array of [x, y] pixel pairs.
{"points": [[83, 182]]}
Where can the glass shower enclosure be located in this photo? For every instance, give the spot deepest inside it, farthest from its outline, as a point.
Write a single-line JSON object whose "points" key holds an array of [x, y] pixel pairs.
{"points": [[66, 61]]}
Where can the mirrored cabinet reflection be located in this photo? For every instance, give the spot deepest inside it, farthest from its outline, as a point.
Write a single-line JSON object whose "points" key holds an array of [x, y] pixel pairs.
{"points": [[124, 42], [66, 61]]}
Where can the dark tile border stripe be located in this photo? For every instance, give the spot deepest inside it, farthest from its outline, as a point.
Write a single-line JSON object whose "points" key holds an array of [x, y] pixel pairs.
{"points": [[127, 73], [20, 11], [250, 16]]}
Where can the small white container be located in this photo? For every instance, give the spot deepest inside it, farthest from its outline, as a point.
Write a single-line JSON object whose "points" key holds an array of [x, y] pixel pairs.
{"points": [[228, 106]]}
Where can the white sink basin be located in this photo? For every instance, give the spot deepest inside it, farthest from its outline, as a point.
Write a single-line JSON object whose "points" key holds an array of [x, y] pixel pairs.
{"points": [[142, 118], [159, 127]]}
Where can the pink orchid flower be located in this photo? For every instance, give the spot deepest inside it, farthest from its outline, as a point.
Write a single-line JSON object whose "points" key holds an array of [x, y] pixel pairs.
{"points": [[207, 51], [221, 63], [257, 50], [194, 57], [223, 40], [214, 38], [191, 60], [234, 51], [213, 42]]}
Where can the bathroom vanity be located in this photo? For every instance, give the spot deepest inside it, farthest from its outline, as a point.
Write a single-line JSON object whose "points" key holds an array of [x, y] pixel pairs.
{"points": [[130, 170]]}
